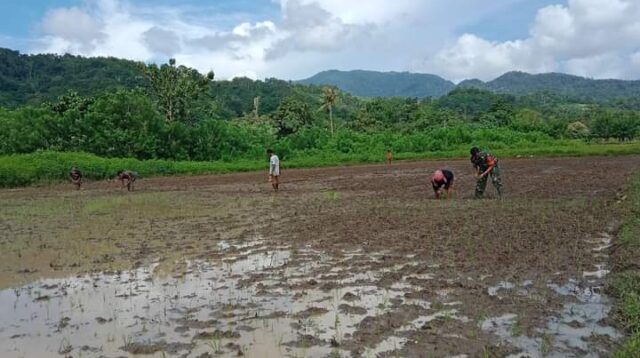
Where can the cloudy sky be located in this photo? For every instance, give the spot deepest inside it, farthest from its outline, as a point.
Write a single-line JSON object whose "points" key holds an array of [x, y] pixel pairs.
{"points": [[294, 39]]}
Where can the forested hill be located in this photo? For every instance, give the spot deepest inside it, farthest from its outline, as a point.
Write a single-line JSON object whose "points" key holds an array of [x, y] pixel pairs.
{"points": [[383, 84], [521, 84], [32, 79], [388, 84]]}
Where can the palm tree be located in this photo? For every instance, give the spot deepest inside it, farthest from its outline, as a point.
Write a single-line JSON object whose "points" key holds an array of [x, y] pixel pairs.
{"points": [[256, 107], [329, 98]]}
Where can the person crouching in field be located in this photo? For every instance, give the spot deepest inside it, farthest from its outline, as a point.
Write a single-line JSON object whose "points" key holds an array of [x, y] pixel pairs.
{"points": [[485, 165], [75, 175], [274, 169], [127, 178], [441, 180]]}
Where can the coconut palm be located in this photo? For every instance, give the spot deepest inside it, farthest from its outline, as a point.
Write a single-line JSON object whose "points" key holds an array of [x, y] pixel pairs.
{"points": [[329, 98], [256, 107]]}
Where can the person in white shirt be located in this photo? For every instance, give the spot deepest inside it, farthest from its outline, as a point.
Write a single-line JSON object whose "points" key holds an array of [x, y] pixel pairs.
{"points": [[274, 169]]}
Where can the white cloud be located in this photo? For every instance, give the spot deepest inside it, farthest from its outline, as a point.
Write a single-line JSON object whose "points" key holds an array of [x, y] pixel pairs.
{"points": [[594, 38], [355, 12], [73, 25]]}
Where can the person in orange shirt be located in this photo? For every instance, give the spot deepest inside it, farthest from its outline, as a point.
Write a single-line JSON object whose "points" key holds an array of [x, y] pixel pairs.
{"points": [[389, 157]]}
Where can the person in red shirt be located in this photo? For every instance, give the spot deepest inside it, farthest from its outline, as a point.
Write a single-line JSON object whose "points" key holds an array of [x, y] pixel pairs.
{"points": [[441, 180]]}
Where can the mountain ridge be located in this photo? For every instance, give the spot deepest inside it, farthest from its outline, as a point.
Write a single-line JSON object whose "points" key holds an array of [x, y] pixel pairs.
{"points": [[366, 83], [516, 83], [32, 79]]}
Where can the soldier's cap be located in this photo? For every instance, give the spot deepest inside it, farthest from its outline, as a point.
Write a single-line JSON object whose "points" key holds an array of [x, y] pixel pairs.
{"points": [[474, 150]]}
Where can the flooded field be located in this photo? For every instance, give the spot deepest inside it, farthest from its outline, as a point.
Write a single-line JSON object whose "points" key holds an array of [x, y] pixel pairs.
{"points": [[357, 261]]}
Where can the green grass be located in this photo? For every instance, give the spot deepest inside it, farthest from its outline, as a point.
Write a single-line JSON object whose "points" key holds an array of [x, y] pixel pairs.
{"points": [[50, 167], [625, 286]]}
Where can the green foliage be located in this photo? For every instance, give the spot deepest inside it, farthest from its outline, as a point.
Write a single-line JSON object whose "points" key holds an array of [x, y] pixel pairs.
{"points": [[34, 79], [292, 114], [175, 88], [329, 99], [621, 125], [630, 348], [301, 150], [183, 115], [44, 167], [625, 285], [577, 129]]}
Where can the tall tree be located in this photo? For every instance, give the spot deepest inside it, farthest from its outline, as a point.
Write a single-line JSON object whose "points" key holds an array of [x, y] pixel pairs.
{"points": [[256, 107], [291, 115], [175, 88], [329, 98]]}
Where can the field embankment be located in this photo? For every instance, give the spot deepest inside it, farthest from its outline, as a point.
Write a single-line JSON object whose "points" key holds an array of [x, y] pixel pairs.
{"points": [[52, 167], [625, 283]]}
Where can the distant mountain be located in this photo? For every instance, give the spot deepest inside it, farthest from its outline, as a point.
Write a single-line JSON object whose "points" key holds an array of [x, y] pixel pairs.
{"points": [[405, 84], [383, 84], [521, 84]]}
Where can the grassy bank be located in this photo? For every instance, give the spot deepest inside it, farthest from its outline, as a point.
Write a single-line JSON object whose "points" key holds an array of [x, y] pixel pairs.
{"points": [[625, 283], [50, 167]]}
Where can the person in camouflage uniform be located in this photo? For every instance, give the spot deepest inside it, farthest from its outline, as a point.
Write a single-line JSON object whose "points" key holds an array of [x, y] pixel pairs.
{"points": [[486, 165]]}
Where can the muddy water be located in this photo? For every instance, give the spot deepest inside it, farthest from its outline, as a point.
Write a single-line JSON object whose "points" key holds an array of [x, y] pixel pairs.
{"points": [[245, 304], [578, 327], [257, 300]]}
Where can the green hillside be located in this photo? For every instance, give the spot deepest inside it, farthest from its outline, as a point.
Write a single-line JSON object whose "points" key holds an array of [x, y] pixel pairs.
{"points": [[521, 84], [383, 84], [32, 79]]}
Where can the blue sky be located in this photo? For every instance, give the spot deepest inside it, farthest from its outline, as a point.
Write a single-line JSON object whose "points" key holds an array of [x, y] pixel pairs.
{"points": [[293, 39]]}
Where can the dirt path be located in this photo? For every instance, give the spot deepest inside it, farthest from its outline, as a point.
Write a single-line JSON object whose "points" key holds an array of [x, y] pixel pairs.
{"points": [[353, 260]]}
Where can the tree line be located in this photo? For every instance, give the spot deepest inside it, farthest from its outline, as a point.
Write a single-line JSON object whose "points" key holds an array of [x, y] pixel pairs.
{"points": [[177, 113]]}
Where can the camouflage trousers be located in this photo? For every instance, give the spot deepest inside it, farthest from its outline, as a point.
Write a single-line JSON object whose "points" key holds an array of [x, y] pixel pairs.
{"points": [[481, 184]]}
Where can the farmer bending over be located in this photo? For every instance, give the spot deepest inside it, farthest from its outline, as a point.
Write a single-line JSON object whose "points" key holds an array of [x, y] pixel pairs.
{"points": [[485, 165], [76, 177], [274, 169], [127, 178], [442, 180]]}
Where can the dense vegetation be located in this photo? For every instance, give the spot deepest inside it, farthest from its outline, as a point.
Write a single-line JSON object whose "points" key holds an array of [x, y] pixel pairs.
{"points": [[172, 112], [31, 80]]}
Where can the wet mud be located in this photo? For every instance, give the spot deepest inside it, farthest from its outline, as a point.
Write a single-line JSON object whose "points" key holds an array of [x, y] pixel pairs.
{"points": [[220, 266]]}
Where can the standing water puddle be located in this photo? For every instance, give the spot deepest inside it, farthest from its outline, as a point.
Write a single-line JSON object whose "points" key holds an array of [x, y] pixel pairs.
{"points": [[266, 301], [579, 329], [257, 302]]}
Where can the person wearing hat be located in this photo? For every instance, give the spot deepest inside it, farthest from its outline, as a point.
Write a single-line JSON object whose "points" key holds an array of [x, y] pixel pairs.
{"points": [[486, 165]]}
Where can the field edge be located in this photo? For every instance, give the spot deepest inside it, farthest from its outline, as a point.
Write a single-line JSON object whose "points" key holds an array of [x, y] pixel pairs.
{"points": [[48, 167], [624, 283]]}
